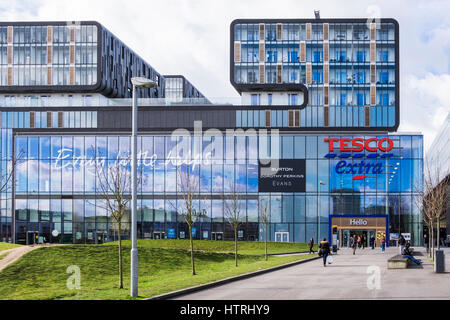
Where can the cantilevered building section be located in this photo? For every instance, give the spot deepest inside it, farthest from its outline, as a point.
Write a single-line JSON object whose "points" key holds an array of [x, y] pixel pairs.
{"points": [[344, 72], [64, 57], [179, 89]]}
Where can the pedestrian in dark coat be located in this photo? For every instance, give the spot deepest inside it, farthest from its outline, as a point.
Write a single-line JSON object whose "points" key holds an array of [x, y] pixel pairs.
{"points": [[324, 246], [311, 245]]}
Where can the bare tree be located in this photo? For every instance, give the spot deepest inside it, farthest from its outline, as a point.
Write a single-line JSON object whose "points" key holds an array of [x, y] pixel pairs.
{"points": [[431, 199], [264, 215], [7, 175], [114, 187], [232, 202], [189, 186]]}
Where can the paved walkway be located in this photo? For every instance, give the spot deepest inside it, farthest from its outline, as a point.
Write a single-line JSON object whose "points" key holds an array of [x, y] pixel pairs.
{"points": [[349, 277]]}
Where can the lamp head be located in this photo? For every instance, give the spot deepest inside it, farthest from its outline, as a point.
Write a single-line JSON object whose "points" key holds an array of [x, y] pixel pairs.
{"points": [[141, 82]]}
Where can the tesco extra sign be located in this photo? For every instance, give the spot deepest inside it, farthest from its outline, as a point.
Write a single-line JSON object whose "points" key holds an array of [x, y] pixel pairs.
{"points": [[358, 144], [352, 148]]}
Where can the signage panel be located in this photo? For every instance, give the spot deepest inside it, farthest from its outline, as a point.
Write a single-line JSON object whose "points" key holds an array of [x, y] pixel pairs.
{"points": [[288, 175]]}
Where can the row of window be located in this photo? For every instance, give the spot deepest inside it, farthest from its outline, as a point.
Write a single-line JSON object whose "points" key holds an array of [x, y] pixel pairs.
{"points": [[298, 32], [315, 116], [292, 56], [70, 119], [38, 34]]}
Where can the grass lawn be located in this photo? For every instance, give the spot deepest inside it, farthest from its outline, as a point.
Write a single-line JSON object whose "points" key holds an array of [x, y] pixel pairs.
{"points": [[41, 274], [6, 246], [244, 247]]}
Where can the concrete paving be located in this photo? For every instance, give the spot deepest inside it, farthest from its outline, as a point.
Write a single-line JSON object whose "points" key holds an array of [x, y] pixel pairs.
{"points": [[349, 277]]}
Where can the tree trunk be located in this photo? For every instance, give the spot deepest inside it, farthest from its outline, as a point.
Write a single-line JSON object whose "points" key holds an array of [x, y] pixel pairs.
{"points": [[265, 240], [432, 241], [438, 233], [192, 249], [120, 256], [235, 246]]}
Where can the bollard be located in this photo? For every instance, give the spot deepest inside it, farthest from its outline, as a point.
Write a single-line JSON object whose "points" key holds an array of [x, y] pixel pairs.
{"points": [[439, 261]]}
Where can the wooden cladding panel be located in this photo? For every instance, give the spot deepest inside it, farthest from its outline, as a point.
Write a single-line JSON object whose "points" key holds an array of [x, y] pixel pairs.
{"points": [[49, 119], [325, 95], [279, 31], [72, 75], [373, 95], [261, 73], [367, 116], [279, 73], [267, 118], [326, 116], [49, 34], [10, 76], [326, 55], [373, 52], [49, 75], [308, 31], [237, 51], [325, 31], [373, 31], [72, 34], [10, 54], [302, 51], [72, 54], [262, 51], [49, 54], [31, 119], [297, 118], [373, 73], [291, 118], [326, 73], [10, 34], [60, 119], [261, 31], [308, 72]]}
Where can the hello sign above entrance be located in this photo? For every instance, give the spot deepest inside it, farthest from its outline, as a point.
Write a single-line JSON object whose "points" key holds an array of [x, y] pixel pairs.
{"points": [[358, 222]]}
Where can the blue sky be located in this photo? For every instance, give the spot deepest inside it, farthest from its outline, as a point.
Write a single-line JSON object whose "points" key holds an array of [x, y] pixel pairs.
{"points": [[191, 37]]}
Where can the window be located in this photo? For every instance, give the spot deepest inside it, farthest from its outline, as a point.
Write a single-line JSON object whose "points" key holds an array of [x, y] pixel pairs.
{"points": [[384, 99], [360, 99], [384, 77], [294, 76], [384, 56], [341, 56], [361, 56], [272, 56], [269, 99], [293, 99], [255, 99], [343, 99], [318, 77], [317, 56], [361, 77], [293, 56], [341, 77]]}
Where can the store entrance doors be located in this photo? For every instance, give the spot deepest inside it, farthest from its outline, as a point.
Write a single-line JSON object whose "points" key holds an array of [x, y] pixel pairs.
{"points": [[158, 235], [32, 237], [282, 236], [217, 235]]}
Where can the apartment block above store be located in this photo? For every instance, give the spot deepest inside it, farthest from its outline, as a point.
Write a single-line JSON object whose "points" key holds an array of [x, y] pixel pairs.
{"points": [[345, 71]]}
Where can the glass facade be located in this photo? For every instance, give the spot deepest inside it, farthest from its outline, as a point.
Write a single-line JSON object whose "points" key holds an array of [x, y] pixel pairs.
{"points": [[56, 186]]}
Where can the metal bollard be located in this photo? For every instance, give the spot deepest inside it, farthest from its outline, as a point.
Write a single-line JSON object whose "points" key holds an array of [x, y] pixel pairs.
{"points": [[439, 261]]}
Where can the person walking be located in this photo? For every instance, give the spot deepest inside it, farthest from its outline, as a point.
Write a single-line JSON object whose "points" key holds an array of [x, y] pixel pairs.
{"points": [[383, 243], [372, 242], [325, 247], [311, 245], [355, 243], [363, 242], [401, 242], [425, 239], [359, 241]]}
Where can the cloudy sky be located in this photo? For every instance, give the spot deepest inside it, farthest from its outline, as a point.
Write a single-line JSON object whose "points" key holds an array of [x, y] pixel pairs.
{"points": [[191, 37]]}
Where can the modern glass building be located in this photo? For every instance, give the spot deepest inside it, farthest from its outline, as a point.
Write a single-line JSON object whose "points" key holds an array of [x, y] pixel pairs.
{"points": [[323, 169]]}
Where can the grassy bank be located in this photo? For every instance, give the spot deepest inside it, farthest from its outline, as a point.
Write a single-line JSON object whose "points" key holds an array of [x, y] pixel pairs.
{"points": [[41, 274], [6, 246], [244, 247]]}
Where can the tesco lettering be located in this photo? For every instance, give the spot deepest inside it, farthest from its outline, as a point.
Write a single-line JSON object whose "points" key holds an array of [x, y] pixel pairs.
{"points": [[358, 144]]}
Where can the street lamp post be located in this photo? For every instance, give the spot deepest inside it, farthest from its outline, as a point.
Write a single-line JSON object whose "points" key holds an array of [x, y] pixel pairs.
{"points": [[321, 183], [138, 83]]}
